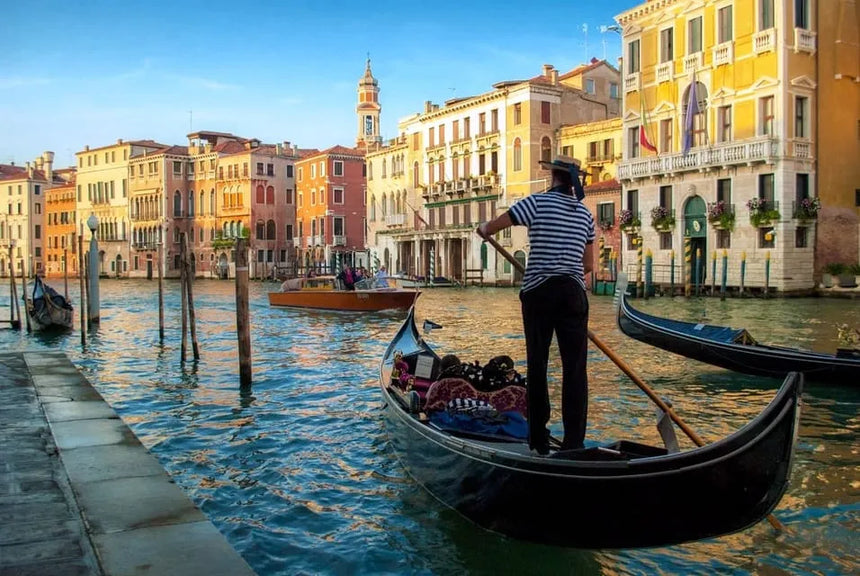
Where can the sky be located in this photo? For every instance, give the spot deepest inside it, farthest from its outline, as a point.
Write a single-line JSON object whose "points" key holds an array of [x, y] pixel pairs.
{"points": [[87, 73]]}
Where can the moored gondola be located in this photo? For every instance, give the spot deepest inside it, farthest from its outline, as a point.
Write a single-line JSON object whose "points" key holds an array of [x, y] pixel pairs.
{"points": [[734, 349], [48, 309], [617, 495]]}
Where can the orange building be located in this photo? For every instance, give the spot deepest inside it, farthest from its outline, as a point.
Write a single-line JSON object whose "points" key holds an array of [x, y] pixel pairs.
{"points": [[330, 208], [61, 249]]}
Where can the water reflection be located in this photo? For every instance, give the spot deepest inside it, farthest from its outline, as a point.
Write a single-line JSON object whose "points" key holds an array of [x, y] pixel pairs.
{"points": [[298, 474]]}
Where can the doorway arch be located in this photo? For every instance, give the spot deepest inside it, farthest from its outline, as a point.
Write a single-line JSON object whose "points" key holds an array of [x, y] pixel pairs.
{"points": [[695, 219]]}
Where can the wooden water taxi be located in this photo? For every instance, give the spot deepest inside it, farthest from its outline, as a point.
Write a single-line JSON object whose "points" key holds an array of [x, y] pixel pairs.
{"points": [[325, 293]]}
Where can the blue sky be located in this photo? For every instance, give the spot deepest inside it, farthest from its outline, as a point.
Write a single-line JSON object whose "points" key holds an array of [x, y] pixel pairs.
{"points": [[73, 74]]}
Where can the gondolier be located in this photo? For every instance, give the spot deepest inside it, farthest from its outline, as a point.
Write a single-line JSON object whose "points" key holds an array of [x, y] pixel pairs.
{"points": [[553, 297]]}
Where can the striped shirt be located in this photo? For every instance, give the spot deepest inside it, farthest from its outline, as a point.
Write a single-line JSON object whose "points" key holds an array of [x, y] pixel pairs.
{"points": [[559, 228]]}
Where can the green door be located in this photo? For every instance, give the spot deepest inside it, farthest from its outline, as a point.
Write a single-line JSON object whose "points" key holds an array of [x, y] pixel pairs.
{"points": [[695, 218]]}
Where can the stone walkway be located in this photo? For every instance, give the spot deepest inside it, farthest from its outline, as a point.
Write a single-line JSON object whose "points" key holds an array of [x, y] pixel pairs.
{"points": [[80, 495]]}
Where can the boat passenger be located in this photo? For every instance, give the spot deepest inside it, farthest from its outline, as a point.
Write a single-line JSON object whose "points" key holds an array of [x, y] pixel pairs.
{"points": [[291, 285], [382, 277], [553, 297]]}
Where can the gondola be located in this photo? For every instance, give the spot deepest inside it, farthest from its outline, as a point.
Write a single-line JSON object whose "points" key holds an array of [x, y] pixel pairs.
{"points": [[734, 349], [616, 495], [49, 310]]}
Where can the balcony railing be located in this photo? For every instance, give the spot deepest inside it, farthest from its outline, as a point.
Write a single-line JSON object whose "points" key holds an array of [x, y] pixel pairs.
{"points": [[718, 156], [339, 240], [319, 240], [724, 53], [395, 219], [309, 241], [631, 82], [297, 240], [804, 40], [764, 41], [802, 149], [665, 72], [693, 62]]}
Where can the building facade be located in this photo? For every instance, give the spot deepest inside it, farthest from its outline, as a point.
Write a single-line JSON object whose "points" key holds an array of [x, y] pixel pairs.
{"points": [[23, 190], [330, 209], [61, 232], [460, 164], [721, 126]]}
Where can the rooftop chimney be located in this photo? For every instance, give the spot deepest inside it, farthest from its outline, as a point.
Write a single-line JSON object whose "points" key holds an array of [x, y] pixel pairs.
{"points": [[428, 106], [554, 77], [547, 70], [48, 159]]}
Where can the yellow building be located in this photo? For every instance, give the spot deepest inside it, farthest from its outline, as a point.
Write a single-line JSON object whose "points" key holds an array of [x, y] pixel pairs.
{"points": [[598, 146], [61, 231], [458, 164], [720, 102]]}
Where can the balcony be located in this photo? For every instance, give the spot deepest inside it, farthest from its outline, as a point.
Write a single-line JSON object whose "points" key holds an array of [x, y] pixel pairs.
{"points": [[665, 72], [724, 54], [631, 82], [319, 240], [309, 241], [804, 40], [802, 149], [340, 240], [694, 62], [745, 153], [764, 41], [297, 240], [395, 220]]}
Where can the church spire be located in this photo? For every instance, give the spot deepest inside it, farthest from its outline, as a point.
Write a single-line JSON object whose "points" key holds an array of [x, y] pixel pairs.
{"points": [[368, 109]]}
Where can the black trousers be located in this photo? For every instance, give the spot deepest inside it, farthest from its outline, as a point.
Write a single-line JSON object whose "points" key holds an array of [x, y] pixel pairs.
{"points": [[559, 306]]}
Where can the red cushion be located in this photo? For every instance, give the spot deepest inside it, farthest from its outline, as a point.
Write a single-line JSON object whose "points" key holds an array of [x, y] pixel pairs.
{"points": [[510, 398]]}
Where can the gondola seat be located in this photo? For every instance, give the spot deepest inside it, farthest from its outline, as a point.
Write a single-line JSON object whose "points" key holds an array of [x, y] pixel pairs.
{"points": [[441, 392]]}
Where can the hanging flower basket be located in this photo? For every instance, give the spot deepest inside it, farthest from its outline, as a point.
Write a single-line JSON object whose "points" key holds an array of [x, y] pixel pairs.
{"points": [[721, 216], [662, 219], [627, 222], [760, 214], [807, 209]]}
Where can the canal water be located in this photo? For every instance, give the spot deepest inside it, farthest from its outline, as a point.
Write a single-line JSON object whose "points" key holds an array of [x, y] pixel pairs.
{"points": [[300, 477]]}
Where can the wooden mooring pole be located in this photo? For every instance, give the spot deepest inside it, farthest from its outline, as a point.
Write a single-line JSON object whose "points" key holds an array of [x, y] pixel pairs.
{"points": [[160, 298], [189, 294], [13, 296], [66, 272], [83, 306], [182, 295], [242, 317]]}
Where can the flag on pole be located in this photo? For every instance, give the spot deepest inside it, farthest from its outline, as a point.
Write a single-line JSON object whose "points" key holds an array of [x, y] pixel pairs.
{"points": [[692, 111], [643, 134], [418, 218]]}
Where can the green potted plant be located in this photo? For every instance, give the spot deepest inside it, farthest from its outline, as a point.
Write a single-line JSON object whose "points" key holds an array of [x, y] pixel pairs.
{"points": [[628, 222], [846, 277], [832, 270]]}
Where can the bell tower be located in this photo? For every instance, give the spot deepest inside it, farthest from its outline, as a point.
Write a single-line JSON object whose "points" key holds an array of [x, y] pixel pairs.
{"points": [[368, 110]]}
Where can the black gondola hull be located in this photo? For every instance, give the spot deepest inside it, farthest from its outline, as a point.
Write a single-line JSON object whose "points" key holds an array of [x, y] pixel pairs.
{"points": [[755, 359], [656, 501]]}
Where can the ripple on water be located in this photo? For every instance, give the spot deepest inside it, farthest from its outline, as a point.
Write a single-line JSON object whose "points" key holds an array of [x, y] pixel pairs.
{"points": [[299, 476]]}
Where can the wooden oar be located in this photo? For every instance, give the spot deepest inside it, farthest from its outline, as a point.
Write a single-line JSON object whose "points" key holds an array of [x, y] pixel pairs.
{"points": [[627, 370]]}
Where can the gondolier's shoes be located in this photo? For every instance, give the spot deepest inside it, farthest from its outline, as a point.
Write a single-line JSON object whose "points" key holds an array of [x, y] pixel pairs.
{"points": [[540, 444]]}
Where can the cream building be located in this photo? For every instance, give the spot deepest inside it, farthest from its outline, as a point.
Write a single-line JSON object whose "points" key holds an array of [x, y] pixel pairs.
{"points": [[458, 164], [102, 185]]}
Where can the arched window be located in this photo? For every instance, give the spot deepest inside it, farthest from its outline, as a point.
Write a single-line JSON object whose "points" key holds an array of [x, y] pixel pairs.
{"points": [[384, 167], [261, 230], [467, 164], [260, 194], [212, 202], [441, 166], [518, 154], [202, 203], [455, 167], [545, 149], [190, 203], [270, 230], [391, 206], [177, 205], [398, 204], [383, 205], [415, 175], [373, 208], [270, 195]]}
